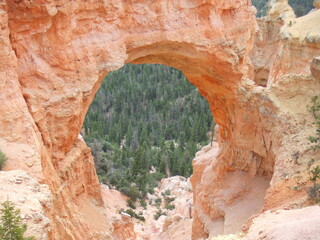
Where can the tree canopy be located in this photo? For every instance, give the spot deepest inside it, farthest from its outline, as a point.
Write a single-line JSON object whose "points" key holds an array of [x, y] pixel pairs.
{"points": [[11, 226], [300, 7]]}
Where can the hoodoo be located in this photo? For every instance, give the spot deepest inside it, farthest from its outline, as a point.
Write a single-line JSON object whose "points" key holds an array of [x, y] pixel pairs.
{"points": [[255, 75]]}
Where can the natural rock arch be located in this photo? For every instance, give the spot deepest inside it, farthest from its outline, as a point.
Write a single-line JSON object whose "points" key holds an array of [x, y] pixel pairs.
{"points": [[55, 55]]}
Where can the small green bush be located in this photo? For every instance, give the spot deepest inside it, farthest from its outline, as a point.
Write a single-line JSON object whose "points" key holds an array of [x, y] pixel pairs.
{"points": [[170, 206], [168, 202], [132, 192], [314, 191], [158, 214], [143, 203], [315, 174], [158, 202], [133, 214], [131, 203], [3, 160], [150, 190], [166, 193], [315, 110], [11, 226], [103, 179], [169, 199]]}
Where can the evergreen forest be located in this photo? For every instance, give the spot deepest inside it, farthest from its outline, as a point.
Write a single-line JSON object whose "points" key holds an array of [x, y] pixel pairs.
{"points": [[146, 122], [300, 7]]}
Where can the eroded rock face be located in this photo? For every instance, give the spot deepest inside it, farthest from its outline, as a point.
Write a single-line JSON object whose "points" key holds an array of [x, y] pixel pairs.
{"points": [[315, 67], [280, 9], [123, 228], [236, 196], [54, 55], [282, 55]]}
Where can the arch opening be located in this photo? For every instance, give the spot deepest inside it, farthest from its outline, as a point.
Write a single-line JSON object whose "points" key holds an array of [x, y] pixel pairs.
{"points": [[240, 189], [144, 127], [148, 110]]}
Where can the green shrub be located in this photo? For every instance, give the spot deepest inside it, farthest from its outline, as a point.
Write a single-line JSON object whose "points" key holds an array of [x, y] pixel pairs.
{"points": [[315, 110], [11, 226], [133, 214], [132, 192], [158, 214], [131, 203], [150, 190], [143, 203], [114, 179], [3, 160], [170, 206], [169, 199], [103, 179], [167, 202], [315, 174], [158, 202], [166, 193], [314, 191]]}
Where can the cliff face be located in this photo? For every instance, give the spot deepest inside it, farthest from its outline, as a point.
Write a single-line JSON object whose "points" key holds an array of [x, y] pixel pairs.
{"points": [[54, 55], [285, 50]]}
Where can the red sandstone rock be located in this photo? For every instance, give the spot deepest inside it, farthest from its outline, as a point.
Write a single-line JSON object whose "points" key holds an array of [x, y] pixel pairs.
{"points": [[285, 92], [123, 228]]}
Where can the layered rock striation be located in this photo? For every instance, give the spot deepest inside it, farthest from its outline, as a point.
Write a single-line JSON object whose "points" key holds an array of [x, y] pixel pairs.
{"points": [[54, 55]]}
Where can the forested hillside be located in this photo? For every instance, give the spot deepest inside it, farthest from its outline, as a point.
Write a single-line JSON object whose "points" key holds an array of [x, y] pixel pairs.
{"points": [[145, 116], [300, 7]]}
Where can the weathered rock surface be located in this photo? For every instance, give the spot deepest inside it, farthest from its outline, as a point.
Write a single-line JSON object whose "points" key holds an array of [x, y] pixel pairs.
{"points": [[281, 57], [31, 198], [181, 191], [176, 224], [178, 230], [297, 224], [122, 224], [280, 9], [54, 54], [236, 198], [123, 228]]}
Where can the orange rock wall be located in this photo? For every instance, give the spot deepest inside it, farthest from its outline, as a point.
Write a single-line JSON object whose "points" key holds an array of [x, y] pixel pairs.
{"points": [[54, 55], [269, 130]]}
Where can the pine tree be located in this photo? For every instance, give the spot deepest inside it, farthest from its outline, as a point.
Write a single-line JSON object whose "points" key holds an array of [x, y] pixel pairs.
{"points": [[11, 226]]}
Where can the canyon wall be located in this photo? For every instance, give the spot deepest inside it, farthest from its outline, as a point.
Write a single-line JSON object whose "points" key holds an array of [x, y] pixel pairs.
{"points": [[285, 50], [54, 55]]}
